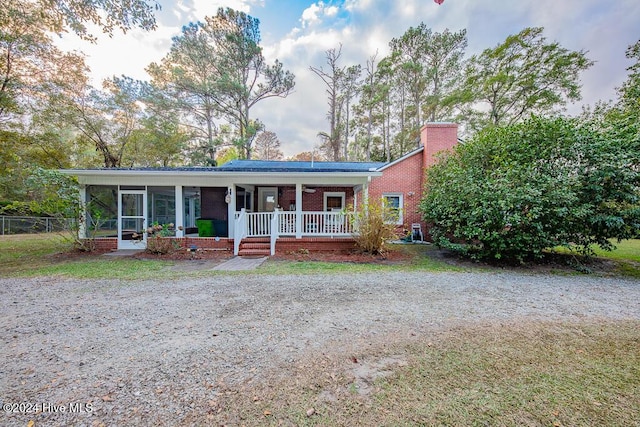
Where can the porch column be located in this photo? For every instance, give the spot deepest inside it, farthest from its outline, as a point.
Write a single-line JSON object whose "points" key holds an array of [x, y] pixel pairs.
{"points": [[179, 211], [365, 192], [298, 211], [82, 222], [231, 211]]}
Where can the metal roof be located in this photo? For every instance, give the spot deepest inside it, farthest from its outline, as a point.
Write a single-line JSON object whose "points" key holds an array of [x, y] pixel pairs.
{"points": [[297, 166], [261, 166]]}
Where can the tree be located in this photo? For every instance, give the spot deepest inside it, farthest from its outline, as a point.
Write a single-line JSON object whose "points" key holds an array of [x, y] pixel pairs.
{"points": [[523, 75], [106, 118], [624, 117], [32, 69], [33, 73], [514, 191], [267, 146], [364, 109], [216, 70], [332, 80], [443, 65], [227, 154], [107, 15], [408, 54], [418, 81], [184, 83], [350, 89], [244, 76], [307, 156]]}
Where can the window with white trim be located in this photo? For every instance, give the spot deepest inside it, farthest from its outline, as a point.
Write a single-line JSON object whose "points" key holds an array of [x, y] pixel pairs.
{"points": [[395, 203], [334, 201]]}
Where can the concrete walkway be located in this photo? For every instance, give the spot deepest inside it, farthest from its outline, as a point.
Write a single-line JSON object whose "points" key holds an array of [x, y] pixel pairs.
{"points": [[240, 263]]}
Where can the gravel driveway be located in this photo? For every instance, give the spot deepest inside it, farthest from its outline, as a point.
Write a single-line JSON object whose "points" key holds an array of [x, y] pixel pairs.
{"points": [[149, 352]]}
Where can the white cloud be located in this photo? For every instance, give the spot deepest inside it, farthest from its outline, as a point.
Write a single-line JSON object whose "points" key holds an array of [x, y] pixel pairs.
{"points": [[604, 29], [311, 15]]}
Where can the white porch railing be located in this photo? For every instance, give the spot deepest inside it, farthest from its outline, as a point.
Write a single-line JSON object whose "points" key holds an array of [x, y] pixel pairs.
{"points": [[284, 223], [240, 230]]}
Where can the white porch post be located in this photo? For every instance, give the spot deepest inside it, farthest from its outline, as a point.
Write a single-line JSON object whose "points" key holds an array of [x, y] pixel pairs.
{"points": [[298, 210], [179, 212], [231, 211], [365, 192], [82, 224]]}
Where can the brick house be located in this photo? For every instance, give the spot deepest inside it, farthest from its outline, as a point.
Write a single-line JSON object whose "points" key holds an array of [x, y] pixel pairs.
{"points": [[253, 206], [403, 180]]}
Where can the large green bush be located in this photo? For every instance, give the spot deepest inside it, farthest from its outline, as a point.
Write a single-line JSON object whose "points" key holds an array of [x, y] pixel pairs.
{"points": [[512, 192]]}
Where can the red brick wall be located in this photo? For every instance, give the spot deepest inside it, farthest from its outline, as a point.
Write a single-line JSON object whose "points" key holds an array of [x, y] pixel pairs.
{"points": [[312, 201], [407, 176], [213, 205], [404, 178], [437, 137], [284, 244], [205, 242], [315, 244], [106, 244]]}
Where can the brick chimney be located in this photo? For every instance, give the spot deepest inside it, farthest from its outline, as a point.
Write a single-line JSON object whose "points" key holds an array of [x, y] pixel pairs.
{"points": [[436, 137]]}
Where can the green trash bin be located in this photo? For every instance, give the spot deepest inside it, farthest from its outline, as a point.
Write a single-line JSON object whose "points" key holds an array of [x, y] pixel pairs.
{"points": [[205, 227]]}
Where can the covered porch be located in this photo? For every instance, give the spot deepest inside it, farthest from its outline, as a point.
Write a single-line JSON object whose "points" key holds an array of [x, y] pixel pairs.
{"points": [[303, 202], [297, 211]]}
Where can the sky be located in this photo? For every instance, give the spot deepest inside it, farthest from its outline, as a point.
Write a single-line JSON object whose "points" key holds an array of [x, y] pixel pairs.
{"points": [[298, 33]]}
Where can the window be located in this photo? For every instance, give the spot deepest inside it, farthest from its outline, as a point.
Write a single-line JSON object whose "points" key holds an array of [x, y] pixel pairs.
{"points": [[394, 202], [334, 201], [102, 210], [161, 205]]}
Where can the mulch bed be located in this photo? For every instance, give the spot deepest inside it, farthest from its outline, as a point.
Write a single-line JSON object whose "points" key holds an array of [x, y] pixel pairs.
{"points": [[183, 254], [390, 257]]}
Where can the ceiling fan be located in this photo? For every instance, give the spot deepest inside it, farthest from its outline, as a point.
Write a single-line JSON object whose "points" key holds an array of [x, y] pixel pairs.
{"points": [[308, 190]]}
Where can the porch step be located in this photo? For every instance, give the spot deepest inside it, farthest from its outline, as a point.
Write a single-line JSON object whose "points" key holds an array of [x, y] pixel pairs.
{"points": [[255, 247]]}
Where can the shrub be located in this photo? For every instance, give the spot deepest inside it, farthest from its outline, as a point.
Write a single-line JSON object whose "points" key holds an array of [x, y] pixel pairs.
{"points": [[372, 225], [159, 240], [512, 192]]}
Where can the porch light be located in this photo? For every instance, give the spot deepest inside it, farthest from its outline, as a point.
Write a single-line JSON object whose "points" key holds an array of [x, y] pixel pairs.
{"points": [[227, 197]]}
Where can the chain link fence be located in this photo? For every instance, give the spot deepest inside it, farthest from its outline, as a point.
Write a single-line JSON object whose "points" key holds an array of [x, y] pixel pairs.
{"points": [[32, 224]]}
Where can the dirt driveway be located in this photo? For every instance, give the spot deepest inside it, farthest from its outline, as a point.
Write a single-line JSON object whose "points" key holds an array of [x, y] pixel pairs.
{"points": [[150, 353]]}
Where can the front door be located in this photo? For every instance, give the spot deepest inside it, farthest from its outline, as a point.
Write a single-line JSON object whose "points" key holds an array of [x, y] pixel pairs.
{"points": [[267, 199], [132, 218]]}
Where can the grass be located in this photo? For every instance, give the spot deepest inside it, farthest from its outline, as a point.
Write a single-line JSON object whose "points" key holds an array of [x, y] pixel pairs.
{"points": [[29, 255], [46, 255], [19, 253], [626, 256], [626, 250], [418, 255], [536, 374]]}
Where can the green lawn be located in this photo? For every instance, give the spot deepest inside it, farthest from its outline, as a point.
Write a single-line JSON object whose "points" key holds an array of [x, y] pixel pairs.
{"points": [[627, 250], [626, 255], [51, 254]]}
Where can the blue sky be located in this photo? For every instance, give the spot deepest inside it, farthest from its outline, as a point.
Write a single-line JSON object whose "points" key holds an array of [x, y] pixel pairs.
{"points": [[298, 33]]}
